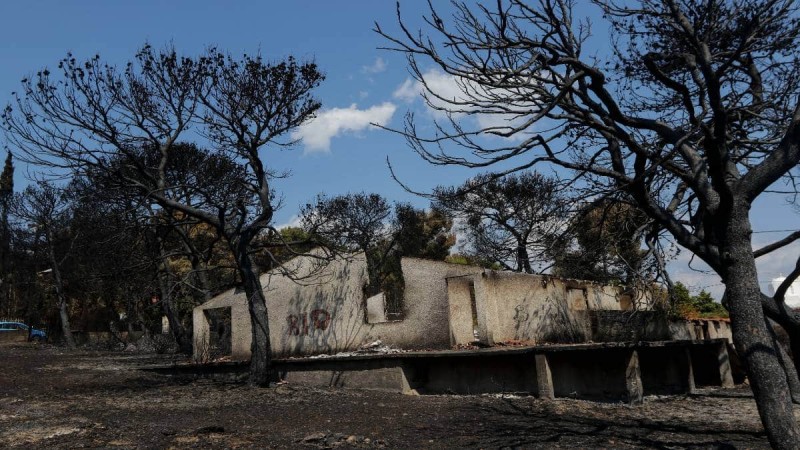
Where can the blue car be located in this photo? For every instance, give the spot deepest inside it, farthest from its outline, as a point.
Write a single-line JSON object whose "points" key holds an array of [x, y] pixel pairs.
{"points": [[19, 328]]}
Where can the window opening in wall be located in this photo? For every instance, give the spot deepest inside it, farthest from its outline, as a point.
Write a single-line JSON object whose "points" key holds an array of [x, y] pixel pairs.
{"points": [[576, 299], [219, 339], [392, 285], [376, 309]]}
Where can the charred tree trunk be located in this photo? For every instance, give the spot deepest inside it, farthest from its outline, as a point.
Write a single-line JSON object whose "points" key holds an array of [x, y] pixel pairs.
{"points": [[261, 370], [523, 259], [200, 277], [789, 323], [168, 307], [793, 330], [175, 325], [794, 345], [138, 317], [751, 336], [788, 367], [58, 285], [143, 323], [374, 267]]}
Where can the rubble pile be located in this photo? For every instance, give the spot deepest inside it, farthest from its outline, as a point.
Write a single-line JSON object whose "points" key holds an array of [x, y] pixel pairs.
{"points": [[372, 348]]}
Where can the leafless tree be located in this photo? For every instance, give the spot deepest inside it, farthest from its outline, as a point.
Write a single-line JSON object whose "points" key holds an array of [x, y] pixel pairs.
{"points": [[46, 208], [692, 112], [91, 116]]}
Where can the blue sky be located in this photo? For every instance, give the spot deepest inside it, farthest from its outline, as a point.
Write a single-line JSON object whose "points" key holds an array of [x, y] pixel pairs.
{"points": [[341, 153]]}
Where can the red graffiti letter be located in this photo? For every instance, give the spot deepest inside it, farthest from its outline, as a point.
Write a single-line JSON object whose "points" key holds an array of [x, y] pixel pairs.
{"points": [[294, 328], [320, 319]]}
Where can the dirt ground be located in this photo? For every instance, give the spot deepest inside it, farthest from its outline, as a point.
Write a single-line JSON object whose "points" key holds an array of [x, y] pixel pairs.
{"points": [[53, 398]]}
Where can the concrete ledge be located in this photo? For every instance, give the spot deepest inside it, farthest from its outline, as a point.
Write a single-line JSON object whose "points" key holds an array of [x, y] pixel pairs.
{"points": [[479, 353]]}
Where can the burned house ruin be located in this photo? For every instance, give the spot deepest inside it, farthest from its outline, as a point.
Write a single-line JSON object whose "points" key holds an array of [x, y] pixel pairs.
{"points": [[591, 339]]}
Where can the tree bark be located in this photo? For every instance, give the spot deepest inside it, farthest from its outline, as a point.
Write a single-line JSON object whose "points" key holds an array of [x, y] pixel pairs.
{"points": [[143, 323], [201, 278], [788, 366], [58, 284], [175, 326], [523, 259], [794, 346], [788, 321], [261, 370], [753, 341]]}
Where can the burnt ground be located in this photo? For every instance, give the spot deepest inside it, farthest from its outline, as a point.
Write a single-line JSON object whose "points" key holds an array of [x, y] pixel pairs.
{"points": [[53, 398]]}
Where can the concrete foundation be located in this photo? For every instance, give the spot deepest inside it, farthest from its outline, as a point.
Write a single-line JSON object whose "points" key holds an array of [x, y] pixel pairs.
{"points": [[605, 372]]}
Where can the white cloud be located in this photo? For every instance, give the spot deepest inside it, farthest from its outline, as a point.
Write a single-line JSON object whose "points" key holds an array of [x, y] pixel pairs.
{"points": [[377, 67], [445, 86], [294, 221], [409, 91], [317, 134], [448, 88]]}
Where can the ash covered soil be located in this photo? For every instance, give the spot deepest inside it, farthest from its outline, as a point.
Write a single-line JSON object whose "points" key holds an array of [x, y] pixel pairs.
{"points": [[53, 398]]}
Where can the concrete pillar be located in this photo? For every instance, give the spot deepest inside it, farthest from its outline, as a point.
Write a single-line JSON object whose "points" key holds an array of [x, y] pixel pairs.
{"points": [[407, 375], [725, 374], [712, 329], [544, 378], [690, 383], [633, 379]]}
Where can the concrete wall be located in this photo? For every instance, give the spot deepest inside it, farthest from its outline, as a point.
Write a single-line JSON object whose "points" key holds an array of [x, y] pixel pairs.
{"points": [[326, 311], [320, 311], [324, 314], [630, 325], [538, 308], [444, 305], [699, 329], [427, 310], [240, 324]]}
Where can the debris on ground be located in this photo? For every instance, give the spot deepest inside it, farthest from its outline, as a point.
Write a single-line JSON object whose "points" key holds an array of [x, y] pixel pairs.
{"points": [[54, 399], [333, 440], [474, 345], [515, 343], [372, 348]]}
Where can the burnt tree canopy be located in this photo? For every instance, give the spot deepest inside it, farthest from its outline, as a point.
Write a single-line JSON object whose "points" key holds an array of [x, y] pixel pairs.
{"points": [[511, 220], [127, 123], [367, 223], [692, 112], [603, 242]]}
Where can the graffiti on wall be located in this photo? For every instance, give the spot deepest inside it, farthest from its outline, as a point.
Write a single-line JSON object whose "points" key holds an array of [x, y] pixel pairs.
{"points": [[306, 323]]}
